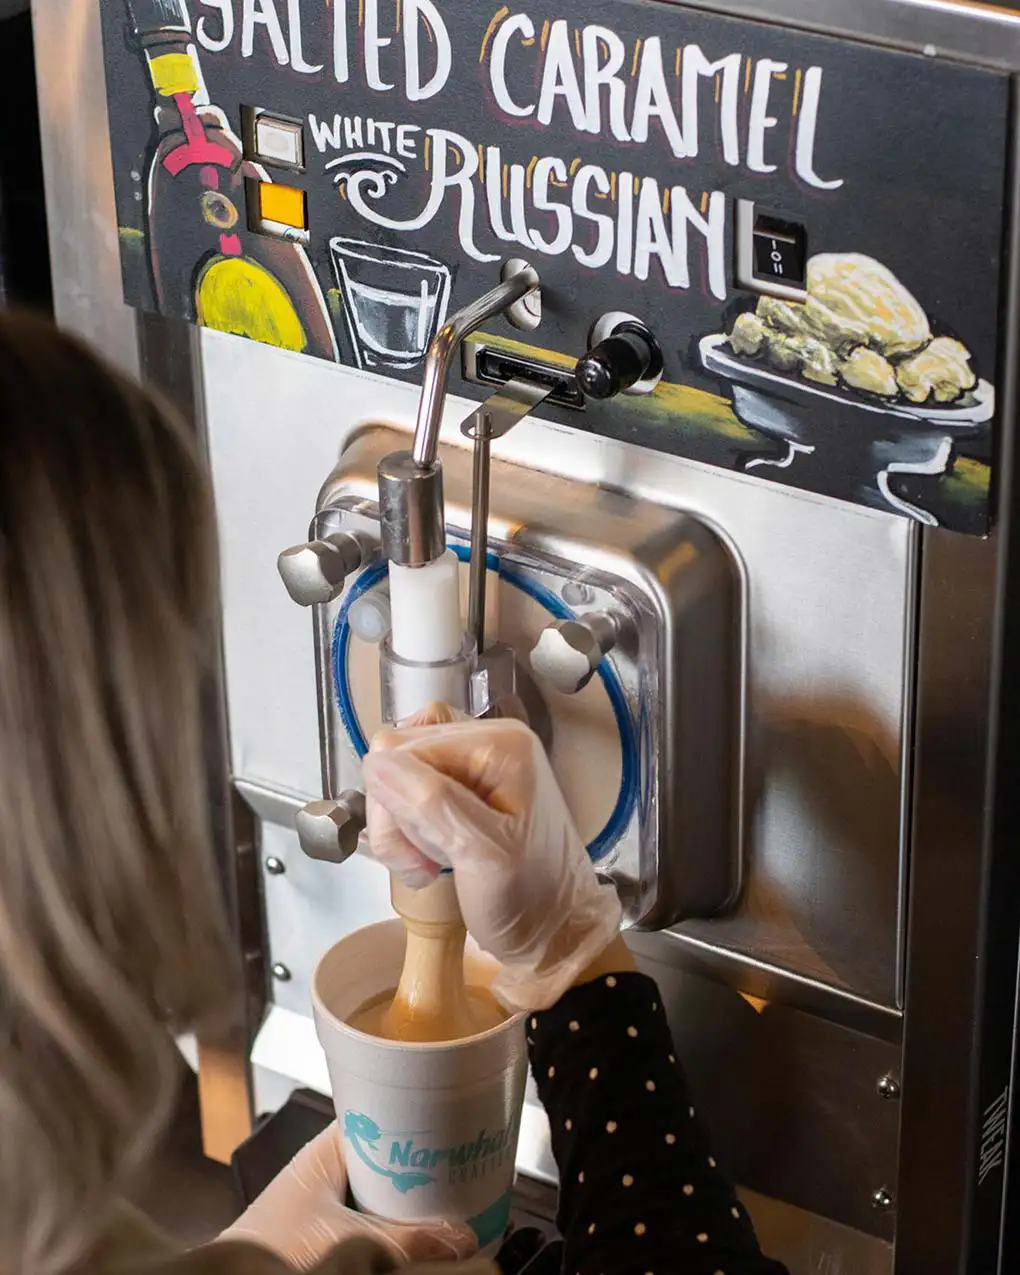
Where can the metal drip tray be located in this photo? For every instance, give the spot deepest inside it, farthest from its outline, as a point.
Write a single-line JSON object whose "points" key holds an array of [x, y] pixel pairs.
{"points": [[532, 1245]]}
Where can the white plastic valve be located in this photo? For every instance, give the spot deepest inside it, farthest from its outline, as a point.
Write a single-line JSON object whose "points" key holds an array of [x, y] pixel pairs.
{"points": [[316, 572], [569, 652], [370, 617]]}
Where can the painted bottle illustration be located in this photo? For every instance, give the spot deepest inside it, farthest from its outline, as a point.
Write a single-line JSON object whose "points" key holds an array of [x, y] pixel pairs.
{"points": [[207, 263]]}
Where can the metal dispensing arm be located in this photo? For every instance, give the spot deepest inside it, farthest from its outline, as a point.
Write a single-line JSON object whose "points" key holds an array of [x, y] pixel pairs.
{"points": [[515, 287], [412, 515], [427, 656], [411, 483], [413, 526]]}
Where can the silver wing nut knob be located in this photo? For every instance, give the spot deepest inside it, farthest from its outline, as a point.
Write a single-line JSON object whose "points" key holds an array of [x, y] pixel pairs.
{"points": [[316, 572], [329, 830], [569, 652]]}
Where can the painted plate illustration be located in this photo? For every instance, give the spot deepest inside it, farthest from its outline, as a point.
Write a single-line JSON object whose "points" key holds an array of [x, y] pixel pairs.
{"points": [[794, 409], [874, 440]]}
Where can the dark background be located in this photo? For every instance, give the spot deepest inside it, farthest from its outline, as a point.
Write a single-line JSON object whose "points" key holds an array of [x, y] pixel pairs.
{"points": [[920, 143], [24, 248]]}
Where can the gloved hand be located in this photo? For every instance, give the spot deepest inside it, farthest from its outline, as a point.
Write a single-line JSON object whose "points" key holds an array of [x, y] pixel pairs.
{"points": [[301, 1216], [480, 797]]}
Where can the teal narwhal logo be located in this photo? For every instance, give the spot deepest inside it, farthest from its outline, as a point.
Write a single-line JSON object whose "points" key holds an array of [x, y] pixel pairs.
{"points": [[404, 1160], [364, 1134]]}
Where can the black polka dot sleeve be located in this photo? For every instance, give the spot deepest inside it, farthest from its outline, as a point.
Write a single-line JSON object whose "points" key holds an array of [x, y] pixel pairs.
{"points": [[640, 1192]]}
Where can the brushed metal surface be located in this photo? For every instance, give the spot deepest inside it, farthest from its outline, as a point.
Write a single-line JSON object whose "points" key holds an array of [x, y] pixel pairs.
{"points": [[679, 591], [84, 249], [831, 596], [830, 604], [976, 32], [812, 1245], [792, 1099], [960, 1039]]}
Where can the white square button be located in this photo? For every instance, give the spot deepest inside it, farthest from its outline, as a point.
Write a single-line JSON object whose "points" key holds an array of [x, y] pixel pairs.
{"points": [[280, 141]]}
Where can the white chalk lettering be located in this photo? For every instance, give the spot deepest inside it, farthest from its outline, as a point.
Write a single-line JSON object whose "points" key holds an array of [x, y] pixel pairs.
{"points": [[639, 224], [521, 26], [588, 78], [712, 226], [418, 15], [373, 43], [652, 239], [598, 74], [341, 53], [297, 53], [494, 194], [326, 135], [584, 179], [518, 219], [445, 146], [549, 169], [807, 125], [696, 66], [216, 43], [262, 13], [354, 137], [350, 131], [559, 78], [652, 100], [625, 223], [406, 143], [572, 77], [377, 133], [760, 120]]}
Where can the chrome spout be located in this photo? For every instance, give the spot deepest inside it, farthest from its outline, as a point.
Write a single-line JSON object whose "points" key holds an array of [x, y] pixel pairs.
{"points": [[443, 351]]}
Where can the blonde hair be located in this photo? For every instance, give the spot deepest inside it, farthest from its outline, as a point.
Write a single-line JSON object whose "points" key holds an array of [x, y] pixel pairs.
{"points": [[112, 931]]}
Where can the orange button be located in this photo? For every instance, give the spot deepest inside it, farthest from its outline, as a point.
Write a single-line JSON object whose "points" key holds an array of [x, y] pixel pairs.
{"points": [[283, 204]]}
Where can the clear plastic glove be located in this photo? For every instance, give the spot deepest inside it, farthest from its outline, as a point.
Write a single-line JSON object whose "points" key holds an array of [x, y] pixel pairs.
{"points": [[480, 797], [301, 1216]]}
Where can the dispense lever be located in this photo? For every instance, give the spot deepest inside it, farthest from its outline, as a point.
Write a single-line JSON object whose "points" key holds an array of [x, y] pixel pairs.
{"points": [[329, 830], [569, 652], [316, 572], [624, 357]]}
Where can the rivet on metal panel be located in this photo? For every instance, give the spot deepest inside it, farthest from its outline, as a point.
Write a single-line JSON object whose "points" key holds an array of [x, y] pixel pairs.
{"points": [[281, 973], [888, 1088], [275, 867], [882, 1200]]}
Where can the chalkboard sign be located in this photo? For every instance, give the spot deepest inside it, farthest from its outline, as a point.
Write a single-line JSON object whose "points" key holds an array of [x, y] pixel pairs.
{"points": [[810, 227]]}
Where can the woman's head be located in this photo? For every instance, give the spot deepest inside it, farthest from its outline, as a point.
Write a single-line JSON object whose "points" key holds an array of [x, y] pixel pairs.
{"points": [[111, 928]]}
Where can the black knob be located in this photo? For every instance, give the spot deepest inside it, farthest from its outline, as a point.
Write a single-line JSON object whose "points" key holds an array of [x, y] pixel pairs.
{"points": [[615, 364]]}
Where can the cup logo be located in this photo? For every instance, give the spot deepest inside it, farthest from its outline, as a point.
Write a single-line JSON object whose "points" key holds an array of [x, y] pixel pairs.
{"points": [[409, 1164], [364, 1135]]}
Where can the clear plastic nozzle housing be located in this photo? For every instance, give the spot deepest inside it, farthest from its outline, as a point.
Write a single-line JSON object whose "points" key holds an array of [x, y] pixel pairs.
{"points": [[408, 685]]}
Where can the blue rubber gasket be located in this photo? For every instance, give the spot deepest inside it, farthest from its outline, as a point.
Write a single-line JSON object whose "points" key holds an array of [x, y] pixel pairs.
{"points": [[626, 801]]}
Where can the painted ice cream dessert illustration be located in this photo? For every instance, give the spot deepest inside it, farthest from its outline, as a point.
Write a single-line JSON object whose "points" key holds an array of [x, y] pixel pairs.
{"points": [[851, 386], [859, 329]]}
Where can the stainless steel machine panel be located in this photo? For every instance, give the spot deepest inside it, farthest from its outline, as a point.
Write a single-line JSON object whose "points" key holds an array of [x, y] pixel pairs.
{"points": [[672, 843]]}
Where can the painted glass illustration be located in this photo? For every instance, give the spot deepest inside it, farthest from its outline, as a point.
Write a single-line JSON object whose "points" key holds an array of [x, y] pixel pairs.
{"points": [[811, 228], [394, 301]]}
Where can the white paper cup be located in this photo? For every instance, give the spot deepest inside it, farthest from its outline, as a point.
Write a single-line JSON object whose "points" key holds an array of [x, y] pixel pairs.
{"points": [[429, 1131]]}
